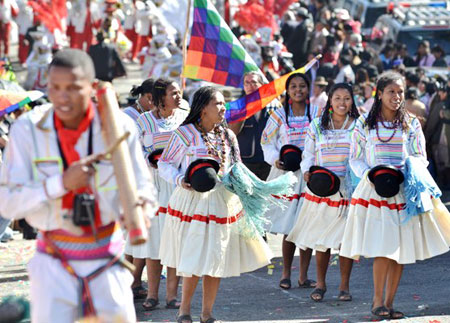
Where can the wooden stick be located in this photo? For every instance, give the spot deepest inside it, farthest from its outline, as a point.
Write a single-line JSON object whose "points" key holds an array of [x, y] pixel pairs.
{"points": [[123, 169], [186, 31]]}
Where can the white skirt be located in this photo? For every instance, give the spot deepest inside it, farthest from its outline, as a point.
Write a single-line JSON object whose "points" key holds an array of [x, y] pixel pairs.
{"points": [[375, 228], [283, 219], [321, 221], [201, 235], [150, 249]]}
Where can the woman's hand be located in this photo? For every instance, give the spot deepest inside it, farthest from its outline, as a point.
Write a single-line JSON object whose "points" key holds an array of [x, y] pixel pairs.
{"points": [[307, 176], [279, 164], [186, 186]]}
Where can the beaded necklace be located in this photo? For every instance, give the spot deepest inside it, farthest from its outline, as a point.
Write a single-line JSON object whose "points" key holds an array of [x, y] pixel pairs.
{"points": [[335, 136], [212, 149], [395, 126]]}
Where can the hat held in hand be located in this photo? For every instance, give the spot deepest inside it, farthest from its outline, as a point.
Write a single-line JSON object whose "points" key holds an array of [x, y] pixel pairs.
{"points": [[154, 157], [291, 156], [387, 180], [202, 174], [323, 182]]}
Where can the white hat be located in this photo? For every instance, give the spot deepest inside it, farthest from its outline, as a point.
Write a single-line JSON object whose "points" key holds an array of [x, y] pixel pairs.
{"points": [[342, 14]]}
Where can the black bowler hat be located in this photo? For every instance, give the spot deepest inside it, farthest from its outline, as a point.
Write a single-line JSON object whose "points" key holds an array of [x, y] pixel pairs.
{"points": [[154, 157], [323, 182], [387, 180], [291, 156], [202, 174]]}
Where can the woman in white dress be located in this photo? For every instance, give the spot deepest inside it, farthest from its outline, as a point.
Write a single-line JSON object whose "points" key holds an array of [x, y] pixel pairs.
{"points": [[155, 129], [144, 101], [201, 236], [321, 220], [378, 227], [288, 126]]}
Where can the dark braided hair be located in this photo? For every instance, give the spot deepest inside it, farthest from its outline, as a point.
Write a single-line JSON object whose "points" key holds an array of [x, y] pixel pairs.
{"points": [[144, 88], [325, 118], [374, 116], [201, 99], [286, 100], [159, 91]]}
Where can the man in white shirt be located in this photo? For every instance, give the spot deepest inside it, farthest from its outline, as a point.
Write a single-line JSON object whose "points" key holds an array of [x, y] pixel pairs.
{"points": [[49, 178]]}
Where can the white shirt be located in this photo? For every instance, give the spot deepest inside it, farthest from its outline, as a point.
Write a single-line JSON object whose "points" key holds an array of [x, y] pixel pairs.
{"points": [[345, 74], [31, 185]]}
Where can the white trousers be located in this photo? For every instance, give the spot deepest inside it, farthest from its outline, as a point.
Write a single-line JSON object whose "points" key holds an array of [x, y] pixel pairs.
{"points": [[55, 293]]}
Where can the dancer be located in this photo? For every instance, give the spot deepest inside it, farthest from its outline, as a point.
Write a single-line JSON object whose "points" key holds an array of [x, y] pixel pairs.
{"points": [[201, 236], [287, 126], [321, 221], [156, 128], [46, 171], [377, 225], [144, 102]]}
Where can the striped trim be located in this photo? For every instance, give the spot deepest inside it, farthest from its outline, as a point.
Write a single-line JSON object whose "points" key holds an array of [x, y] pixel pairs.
{"points": [[378, 204], [290, 197], [84, 247], [328, 201], [161, 210], [203, 218]]}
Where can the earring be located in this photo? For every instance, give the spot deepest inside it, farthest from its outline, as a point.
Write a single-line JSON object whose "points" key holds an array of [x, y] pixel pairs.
{"points": [[330, 110], [290, 101], [307, 101]]}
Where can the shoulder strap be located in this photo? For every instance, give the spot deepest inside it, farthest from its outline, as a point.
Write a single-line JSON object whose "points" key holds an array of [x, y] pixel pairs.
{"points": [[33, 135]]}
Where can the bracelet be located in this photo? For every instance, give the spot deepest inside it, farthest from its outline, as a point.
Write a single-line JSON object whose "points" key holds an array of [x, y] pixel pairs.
{"points": [[102, 91]]}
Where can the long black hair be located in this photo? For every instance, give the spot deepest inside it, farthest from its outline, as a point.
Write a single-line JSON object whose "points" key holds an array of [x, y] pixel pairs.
{"points": [[144, 88], [325, 118], [384, 80], [286, 101], [201, 99]]}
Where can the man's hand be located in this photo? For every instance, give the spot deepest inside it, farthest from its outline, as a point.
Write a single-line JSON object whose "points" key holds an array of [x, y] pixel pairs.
{"points": [[307, 176], [279, 164], [78, 175]]}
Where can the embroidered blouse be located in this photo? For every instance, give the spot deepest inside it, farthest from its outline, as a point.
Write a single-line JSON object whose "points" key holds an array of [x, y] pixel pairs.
{"points": [[368, 151], [185, 146], [329, 148], [278, 133], [155, 133]]}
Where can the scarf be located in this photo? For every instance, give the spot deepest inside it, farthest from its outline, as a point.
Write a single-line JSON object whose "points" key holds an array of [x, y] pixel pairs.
{"points": [[68, 138]]}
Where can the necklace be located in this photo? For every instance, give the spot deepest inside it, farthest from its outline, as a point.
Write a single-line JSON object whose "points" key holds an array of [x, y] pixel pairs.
{"points": [[395, 126], [333, 135], [139, 107], [213, 150]]}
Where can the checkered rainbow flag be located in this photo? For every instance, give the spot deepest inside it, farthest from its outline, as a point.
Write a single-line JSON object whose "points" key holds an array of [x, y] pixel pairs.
{"points": [[215, 54], [248, 105]]}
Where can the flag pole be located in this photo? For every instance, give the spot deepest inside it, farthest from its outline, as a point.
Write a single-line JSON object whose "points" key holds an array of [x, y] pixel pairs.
{"points": [[188, 16]]}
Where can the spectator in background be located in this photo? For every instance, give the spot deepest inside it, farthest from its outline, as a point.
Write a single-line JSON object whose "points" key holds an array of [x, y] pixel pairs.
{"points": [[107, 62], [402, 53], [414, 106], [8, 10], [436, 148], [424, 57], [387, 55], [346, 74], [439, 55], [319, 97], [298, 42], [249, 132]]}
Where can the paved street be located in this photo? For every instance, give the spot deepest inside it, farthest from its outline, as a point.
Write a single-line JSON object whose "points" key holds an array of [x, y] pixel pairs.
{"points": [[424, 292]]}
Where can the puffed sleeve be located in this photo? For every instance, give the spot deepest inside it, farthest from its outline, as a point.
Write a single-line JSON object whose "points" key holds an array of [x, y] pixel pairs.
{"points": [[416, 141], [357, 159], [171, 158], [309, 151], [270, 137]]}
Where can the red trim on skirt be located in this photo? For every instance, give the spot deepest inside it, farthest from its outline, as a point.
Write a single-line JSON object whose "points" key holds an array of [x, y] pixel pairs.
{"points": [[203, 218], [328, 201], [378, 204], [291, 197]]}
